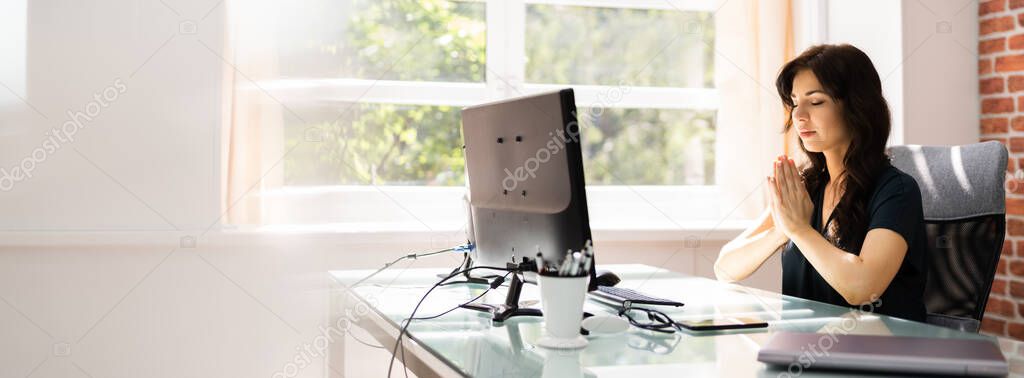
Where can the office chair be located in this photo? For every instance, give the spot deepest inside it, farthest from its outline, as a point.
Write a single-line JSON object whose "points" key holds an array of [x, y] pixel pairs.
{"points": [[964, 204]]}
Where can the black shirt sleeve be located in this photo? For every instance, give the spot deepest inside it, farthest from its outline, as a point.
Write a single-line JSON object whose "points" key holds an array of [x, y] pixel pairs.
{"points": [[896, 205]]}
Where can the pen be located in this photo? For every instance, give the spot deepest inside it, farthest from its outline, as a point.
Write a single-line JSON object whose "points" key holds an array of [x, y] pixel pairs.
{"points": [[563, 270], [590, 256]]}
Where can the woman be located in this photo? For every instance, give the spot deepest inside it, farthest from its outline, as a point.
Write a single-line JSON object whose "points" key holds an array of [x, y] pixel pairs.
{"points": [[851, 224]]}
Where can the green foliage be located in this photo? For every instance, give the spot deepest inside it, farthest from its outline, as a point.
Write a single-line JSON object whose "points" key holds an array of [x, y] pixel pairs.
{"points": [[429, 40], [610, 46], [648, 146], [383, 144], [435, 40]]}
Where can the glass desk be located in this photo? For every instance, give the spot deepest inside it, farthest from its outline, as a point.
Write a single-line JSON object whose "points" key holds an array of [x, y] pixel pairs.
{"points": [[466, 343]]}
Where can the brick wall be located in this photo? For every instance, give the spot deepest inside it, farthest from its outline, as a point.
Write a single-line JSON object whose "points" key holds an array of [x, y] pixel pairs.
{"points": [[1001, 83]]}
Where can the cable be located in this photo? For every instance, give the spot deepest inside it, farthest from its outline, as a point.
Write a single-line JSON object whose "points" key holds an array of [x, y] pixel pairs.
{"points": [[465, 248], [466, 260], [364, 342], [411, 256], [493, 285], [401, 333]]}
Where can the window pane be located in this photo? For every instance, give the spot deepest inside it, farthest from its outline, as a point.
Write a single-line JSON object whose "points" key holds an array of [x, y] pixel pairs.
{"points": [[382, 144], [417, 40], [648, 146], [13, 26], [388, 144], [606, 46]]}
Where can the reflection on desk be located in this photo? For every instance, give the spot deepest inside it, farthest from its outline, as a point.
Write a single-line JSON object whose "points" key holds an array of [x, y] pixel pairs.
{"points": [[467, 343]]}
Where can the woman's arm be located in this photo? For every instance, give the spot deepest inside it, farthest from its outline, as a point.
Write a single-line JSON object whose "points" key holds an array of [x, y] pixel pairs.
{"points": [[742, 256], [859, 279]]}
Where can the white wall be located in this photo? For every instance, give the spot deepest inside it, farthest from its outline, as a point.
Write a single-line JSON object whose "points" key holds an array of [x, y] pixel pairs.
{"points": [[848, 23], [926, 54], [940, 73], [147, 160], [157, 311]]}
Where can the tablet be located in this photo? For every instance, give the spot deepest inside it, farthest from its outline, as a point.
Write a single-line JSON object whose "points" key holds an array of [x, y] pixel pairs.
{"points": [[717, 324]]}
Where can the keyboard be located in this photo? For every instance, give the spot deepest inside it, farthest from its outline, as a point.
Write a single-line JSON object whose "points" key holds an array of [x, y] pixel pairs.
{"points": [[620, 295]]}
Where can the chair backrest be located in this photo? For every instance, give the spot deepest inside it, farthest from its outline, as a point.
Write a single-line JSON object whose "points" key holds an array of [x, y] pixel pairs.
{"points": [[964, 202]]}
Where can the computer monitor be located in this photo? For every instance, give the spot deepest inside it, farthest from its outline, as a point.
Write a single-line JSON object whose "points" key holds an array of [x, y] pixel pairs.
{"points": [[526, 185]]}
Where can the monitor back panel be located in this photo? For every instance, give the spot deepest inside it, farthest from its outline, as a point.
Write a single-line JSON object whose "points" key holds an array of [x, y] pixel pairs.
{"points": [[525, 178]]}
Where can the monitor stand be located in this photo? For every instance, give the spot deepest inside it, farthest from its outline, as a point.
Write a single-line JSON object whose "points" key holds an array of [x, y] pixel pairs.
{"points": [[502, 312], [467, 279]]}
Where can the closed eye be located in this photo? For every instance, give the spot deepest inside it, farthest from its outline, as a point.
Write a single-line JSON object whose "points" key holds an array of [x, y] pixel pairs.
{"points": [[813, 103]]}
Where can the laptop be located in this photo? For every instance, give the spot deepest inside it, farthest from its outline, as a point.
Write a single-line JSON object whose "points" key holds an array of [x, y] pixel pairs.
{"points": [[892, 354]]}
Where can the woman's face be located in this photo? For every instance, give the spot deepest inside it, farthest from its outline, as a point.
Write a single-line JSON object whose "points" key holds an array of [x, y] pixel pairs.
{"points": [[817, 117]]}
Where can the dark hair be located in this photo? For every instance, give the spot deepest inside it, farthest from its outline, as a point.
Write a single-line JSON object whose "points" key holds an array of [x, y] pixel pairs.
{"points": [[847, 75]]}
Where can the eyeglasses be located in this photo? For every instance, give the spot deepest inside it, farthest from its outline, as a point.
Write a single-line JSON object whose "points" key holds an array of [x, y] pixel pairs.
{"points": [[652, 320]]}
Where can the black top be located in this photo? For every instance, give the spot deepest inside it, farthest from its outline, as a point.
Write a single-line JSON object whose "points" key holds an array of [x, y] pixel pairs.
{"points": [[895, 205]]}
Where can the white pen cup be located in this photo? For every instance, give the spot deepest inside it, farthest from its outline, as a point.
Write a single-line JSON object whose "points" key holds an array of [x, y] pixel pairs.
{"points": [[562, 302]]}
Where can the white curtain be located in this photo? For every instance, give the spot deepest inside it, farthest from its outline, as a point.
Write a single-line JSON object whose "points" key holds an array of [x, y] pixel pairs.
{"points": [[753, 39], [253, 120]]}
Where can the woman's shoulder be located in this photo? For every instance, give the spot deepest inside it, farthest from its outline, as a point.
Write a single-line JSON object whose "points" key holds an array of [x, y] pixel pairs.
{"points": [[892, 181]]}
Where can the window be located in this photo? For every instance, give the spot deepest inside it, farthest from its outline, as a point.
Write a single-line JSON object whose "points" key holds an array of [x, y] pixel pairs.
{"points": [[13, 18], [379, 85]]}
